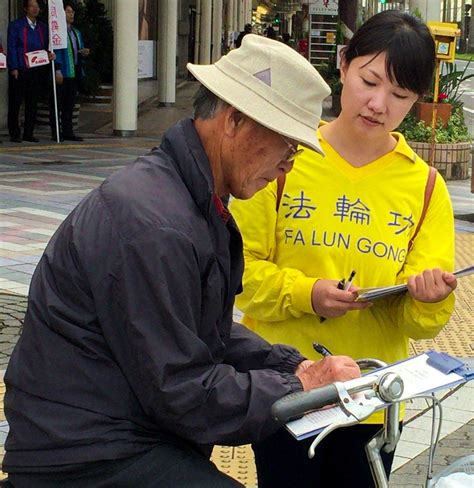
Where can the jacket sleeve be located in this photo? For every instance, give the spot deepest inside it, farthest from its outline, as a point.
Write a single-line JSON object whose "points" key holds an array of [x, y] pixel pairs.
{"points": [[163, 352], [270, 293], [433, 247], [246, 350], [12, 53]]}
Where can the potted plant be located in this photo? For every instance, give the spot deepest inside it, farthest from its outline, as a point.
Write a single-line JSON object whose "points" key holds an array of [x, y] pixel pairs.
{"points": [[452, 151], [452, 143]]}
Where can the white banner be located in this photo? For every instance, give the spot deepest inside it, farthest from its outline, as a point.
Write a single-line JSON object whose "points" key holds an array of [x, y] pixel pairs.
{"points": [[323, 7], [57, 25]]}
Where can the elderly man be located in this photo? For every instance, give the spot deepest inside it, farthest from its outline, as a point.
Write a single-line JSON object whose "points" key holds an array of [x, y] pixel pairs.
{"points": [[130, 367]]}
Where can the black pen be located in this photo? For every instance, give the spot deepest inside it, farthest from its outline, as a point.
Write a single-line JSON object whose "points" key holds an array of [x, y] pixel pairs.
{"points": [[320, 349], [349, 281], [340, 286]]}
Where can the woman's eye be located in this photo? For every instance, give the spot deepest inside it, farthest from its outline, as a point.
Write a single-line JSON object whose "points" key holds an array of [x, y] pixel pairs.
{"points": [[367, 82], [400, 97]]}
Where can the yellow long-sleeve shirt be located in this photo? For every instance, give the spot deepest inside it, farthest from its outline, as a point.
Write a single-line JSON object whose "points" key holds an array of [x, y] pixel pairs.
{"points": [[334, 218]]}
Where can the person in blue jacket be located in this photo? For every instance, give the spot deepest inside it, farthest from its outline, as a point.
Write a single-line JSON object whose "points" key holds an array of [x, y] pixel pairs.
{"points": [[69, 71], [24, 84]]}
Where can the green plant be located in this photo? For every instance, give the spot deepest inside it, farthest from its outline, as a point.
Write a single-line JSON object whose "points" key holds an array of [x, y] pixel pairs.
{"points": [[327, 69], [455, 131], [450, 81]]}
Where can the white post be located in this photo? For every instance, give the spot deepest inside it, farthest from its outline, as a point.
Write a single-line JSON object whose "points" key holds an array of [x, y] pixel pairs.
{"points": [[429, 9], [217, 30], [205, 34], [125, 100], [197, 32], [289, 19], [167, 41], [237, 15], [229, 22]]}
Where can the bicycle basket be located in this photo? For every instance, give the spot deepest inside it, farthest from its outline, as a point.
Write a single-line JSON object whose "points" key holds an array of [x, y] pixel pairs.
{"points": [[459, 474]]}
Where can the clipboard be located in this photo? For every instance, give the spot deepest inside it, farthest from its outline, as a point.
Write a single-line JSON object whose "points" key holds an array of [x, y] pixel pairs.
{"points": [[421, 374], [369, 294]]}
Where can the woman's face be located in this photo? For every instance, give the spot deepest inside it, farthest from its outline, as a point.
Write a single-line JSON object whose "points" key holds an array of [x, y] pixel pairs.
{"points": [[370, 102]]}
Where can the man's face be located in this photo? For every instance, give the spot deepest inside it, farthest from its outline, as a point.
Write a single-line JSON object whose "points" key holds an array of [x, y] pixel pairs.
{"points": [[258, 156], [69, 14], [32, 10]]}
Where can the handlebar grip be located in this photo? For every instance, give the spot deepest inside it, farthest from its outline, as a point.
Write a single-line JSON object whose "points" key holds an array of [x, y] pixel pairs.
{"points": [[295, 405]]}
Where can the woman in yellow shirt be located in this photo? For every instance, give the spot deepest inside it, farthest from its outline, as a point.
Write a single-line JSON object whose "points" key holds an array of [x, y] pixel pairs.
{"points": [[356, 208]]}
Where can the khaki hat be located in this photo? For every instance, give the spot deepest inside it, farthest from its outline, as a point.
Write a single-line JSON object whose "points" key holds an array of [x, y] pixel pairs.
{"points": [[272, 84]]}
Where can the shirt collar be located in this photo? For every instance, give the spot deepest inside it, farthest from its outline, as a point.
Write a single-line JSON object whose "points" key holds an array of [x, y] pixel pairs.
{"points": [[401, 147], [31, 23]]}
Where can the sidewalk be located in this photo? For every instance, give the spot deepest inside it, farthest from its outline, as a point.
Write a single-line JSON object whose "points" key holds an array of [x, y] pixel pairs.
{"points": [[41, 183]]}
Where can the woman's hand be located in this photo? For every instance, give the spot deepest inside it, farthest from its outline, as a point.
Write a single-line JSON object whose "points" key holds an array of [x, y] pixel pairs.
{"points": [[432, 285], [329, 301]]}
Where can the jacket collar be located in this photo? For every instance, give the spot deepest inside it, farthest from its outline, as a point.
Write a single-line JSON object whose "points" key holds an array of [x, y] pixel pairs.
{"points": [[183, 144]]}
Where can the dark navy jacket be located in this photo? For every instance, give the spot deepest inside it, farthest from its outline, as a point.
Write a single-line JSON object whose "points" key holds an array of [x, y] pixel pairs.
{"points": [[129, 337], [19, 31]]}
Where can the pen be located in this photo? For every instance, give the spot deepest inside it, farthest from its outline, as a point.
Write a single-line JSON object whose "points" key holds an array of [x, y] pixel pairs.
{"points": [[319, 348], [340, 286], [349, 281]]}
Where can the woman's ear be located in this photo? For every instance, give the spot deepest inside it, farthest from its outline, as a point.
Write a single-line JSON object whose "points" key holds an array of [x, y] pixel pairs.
{"points": [[344, 66]]}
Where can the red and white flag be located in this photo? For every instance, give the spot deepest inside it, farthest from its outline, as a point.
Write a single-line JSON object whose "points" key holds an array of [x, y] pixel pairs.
{"points": [[57, 25]]}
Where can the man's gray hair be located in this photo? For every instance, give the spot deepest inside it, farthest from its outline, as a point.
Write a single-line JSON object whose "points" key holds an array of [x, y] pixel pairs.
{"points": [[207, 104]]}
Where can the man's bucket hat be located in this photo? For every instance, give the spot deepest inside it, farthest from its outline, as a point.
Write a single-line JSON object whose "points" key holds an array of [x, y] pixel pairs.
{"points": [[272, 84]]}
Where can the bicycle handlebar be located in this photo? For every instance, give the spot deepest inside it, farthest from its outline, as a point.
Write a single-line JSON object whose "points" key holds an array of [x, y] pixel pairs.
{"points": [[295, 405]]}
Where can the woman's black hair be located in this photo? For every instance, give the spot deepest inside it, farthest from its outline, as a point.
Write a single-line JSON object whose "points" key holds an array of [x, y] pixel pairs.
{"points": [[408, 45]]}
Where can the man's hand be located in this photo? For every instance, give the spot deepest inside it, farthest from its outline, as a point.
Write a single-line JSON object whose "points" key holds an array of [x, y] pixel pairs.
{"points": [[328, 301], [433, 285], [328, 370], [303, 366], [14, 73], [84, 51], [59, 78], [51, 56]]}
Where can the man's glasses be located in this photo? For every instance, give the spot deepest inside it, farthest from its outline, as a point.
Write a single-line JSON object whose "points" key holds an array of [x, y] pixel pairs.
{"points": [[293, 152]]}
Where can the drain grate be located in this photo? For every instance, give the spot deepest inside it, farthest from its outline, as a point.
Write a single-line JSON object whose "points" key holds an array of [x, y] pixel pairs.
{"points": [[50, 163], [468, 217]]}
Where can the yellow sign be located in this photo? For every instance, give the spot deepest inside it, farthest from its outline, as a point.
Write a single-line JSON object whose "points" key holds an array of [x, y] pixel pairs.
{"points": [[330, 38], [444, 34]]}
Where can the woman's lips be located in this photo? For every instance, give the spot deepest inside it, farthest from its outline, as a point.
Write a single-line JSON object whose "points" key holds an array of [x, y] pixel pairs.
{"points": [[370, 121]]}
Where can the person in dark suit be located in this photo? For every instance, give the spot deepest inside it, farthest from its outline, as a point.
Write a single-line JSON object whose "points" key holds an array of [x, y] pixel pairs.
{"points": [[25, 35], [247, 30]]}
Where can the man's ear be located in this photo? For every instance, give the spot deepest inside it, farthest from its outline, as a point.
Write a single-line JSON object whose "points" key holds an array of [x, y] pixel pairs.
{"points": [[233, 120]]}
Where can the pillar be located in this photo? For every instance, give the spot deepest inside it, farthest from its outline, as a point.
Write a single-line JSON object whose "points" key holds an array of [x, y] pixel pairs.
{"points": [[125, 100], [205, 32], [429, 9], [167, 41], [217, 30]]}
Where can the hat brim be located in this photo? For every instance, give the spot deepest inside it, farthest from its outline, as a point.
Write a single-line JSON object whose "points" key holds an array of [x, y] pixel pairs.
{"points": [[255, 106]]}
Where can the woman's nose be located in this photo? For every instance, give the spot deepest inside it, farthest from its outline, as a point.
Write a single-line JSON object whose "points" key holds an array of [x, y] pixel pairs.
{"points": [[378, 101]]}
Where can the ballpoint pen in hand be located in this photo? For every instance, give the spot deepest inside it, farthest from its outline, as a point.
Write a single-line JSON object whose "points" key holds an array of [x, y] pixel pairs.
{"points": [[349, 281], [320, 349]]}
